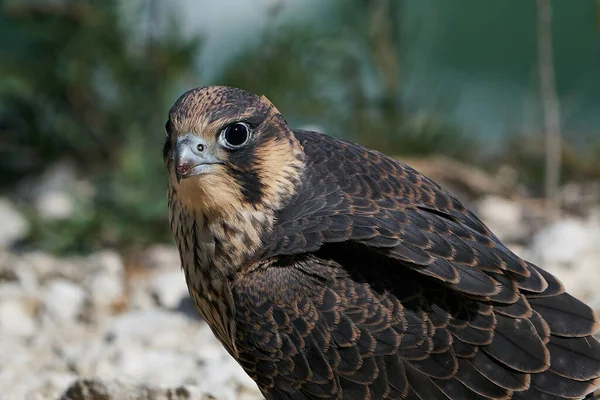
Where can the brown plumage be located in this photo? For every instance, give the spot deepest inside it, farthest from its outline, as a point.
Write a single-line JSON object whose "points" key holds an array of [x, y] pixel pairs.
{"points": [[332, 271]]}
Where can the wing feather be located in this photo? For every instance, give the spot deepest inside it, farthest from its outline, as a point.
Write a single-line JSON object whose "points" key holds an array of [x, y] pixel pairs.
{"points": [[410, 296]]}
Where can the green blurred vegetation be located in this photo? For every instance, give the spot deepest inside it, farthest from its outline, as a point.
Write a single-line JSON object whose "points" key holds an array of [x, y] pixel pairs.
{"points": [[76, 86], [77, 83]]}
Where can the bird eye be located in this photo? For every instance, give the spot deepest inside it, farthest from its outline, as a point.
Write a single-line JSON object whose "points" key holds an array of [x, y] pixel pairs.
{"points": [[235, 135]]}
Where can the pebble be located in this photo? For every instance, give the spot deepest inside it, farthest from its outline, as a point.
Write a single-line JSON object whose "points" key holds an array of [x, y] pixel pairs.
{"points": [[105, 281], [503, 217], [54, 205], [108, 262], [62, 337], [565, 241], [169, 287], [63, 300], [16, 318], [94, 389], [161, 256]]}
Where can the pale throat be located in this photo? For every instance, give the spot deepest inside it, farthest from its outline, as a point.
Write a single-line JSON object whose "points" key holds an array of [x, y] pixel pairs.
{"points": [[214, 248], [224, 233]]}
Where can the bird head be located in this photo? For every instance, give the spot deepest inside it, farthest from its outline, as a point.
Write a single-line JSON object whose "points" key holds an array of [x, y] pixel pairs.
{"points": [[229, 150]]}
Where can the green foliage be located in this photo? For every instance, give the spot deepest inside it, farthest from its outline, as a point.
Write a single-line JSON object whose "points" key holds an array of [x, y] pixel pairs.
{"points": [[79, 83], [90, 92]]}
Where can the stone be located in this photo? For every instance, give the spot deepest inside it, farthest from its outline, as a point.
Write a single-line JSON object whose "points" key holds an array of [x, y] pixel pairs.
{"points": [[228, 375], [105, 290], [140, 297], [94, 389], [63, 300], [13, 350], [582, 279], [570, 249], [13, 225], [147, 326], [54, 205], [52, 385], [149, 364], [564, 242], [108, 262], [504, 217], [16, 273], [104, 279], [169, 287], [16, 318], [161, 256], [50, 343], [42, 264]]}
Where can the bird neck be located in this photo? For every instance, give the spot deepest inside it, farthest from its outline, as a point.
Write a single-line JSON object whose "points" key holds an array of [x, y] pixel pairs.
{"points": [[214, 249], [217, 244]]}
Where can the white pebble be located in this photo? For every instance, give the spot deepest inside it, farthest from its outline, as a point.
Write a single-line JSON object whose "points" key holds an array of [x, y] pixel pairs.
{"points": [[169, 287], [63, 300], [16, 318]]}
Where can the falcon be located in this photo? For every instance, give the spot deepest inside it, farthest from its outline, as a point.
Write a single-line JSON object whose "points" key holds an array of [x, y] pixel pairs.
{"points": [[331, 271]]}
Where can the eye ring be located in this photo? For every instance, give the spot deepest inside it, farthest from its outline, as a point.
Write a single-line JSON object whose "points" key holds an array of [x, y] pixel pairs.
{"points": [[235, 135]]}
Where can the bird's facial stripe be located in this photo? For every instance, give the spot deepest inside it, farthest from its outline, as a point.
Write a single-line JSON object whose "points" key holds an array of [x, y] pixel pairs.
{"points": [[251, 186]]}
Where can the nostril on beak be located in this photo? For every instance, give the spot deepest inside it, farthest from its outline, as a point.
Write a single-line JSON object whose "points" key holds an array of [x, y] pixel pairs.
{"points": [[200, 147]]}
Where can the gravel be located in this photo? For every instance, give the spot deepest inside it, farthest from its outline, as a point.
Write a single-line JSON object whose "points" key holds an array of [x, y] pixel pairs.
{"points": [[87, 327], [81, 328]]}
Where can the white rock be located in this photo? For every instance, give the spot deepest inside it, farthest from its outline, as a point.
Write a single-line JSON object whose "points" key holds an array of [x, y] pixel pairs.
{"points": [[63, 300], [16, 318], [85, 355], [228, 374], [10, 290], [27, 280], [564, 242], [156, 329], [504, 217], [108, 262], [163, 367], [161, 256], [53, 385], [581, 279], [222, 392], [18, 367], [169, 287], [43, 264], [140, 298], [13, 225], [105, 290], [18, 273], [54, 205], [105, 278], [13, 350]]}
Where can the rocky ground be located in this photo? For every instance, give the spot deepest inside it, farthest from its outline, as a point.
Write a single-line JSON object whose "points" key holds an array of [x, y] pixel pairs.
{"points": [[132, 332], [95, 328]]}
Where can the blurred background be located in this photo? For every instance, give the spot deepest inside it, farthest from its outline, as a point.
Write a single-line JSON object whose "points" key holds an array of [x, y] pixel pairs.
{"points": [[496, 100]]}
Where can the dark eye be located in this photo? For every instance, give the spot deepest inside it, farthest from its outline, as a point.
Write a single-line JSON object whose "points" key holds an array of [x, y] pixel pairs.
{"points": [[235, 135]]}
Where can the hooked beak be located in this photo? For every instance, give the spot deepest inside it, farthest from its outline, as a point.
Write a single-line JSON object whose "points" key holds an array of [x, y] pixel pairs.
{"points": [[192, 157]]}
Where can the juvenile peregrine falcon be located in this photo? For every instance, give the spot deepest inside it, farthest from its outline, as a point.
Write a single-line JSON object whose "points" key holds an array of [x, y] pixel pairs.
{"points": [[331, 271]]}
